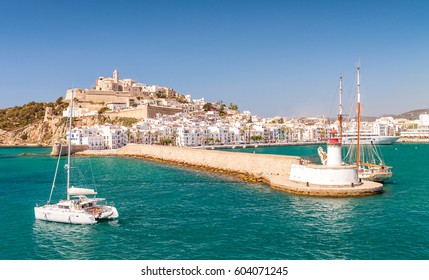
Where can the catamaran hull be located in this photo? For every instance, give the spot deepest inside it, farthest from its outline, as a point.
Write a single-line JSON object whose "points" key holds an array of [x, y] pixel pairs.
{"points": [[63, 216]]}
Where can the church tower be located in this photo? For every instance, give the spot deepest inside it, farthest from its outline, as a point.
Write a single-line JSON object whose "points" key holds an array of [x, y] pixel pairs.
{"points": [[116, 77]]}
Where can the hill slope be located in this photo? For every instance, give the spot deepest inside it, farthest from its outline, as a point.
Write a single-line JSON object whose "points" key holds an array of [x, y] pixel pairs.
{"points": [[413, 115], [27, 124]]}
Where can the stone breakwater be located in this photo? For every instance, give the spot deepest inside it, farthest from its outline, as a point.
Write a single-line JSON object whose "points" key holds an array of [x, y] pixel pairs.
{"points": [[271, 169], [63, 148]]}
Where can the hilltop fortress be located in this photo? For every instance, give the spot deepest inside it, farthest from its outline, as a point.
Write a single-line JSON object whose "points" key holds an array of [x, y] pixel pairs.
{"points": [[137, 98], [110, 90]]}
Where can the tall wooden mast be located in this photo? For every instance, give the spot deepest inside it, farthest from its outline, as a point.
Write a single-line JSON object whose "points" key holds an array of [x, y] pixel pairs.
{"points": [[358, 118], [340, 115]]}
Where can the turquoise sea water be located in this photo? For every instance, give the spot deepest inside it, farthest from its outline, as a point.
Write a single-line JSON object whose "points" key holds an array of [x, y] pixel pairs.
{"points": [[170, 212]]}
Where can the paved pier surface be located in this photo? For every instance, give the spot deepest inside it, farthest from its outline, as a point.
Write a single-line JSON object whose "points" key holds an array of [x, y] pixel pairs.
{"points": [[272, 169]]}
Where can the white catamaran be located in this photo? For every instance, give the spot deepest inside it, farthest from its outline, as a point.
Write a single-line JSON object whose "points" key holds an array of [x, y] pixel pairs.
{"points": [[78, 208]]}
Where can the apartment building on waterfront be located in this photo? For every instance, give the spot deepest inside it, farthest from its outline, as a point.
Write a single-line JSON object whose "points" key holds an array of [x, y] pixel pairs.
{"points": [[418, 129], [99, 137]]}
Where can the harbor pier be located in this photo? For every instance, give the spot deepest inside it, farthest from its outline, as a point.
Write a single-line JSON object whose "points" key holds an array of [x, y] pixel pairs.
{"points": [[272, 169]]}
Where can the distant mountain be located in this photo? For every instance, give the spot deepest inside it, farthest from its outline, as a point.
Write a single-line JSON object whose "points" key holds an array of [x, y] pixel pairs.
{"points": [[413, 115]]}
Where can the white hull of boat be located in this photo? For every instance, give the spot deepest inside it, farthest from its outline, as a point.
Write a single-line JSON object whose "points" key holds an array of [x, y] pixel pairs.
{"points": [[376, 140], [380, 178], [51, 213], [376, 176]]}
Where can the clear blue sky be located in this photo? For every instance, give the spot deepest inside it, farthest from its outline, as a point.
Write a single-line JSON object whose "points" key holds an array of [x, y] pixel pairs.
{"points": [[269, 57]]}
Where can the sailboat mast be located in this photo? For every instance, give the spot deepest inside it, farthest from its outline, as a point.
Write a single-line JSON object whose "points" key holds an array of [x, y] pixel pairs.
{"points": [[69, 144], [340, 115], [358, 113]]}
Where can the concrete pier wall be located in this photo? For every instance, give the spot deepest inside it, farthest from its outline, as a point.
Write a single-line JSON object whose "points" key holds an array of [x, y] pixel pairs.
{"points": [[272, 169], [257, 165]]}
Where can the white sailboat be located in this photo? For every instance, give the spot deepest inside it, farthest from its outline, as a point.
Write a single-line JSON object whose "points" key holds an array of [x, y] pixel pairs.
{"points": [[81, 205], [367, 157]]}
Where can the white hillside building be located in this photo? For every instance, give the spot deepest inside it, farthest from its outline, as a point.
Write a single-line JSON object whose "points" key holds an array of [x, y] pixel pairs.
{"points": [[114, 136], [87, 136]]}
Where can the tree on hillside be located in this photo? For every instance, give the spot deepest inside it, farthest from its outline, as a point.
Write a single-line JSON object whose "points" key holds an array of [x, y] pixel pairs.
{"points": [[59, 100], [207, 106], [233, 107], [102, 110], [221, 111], [20, 116]]}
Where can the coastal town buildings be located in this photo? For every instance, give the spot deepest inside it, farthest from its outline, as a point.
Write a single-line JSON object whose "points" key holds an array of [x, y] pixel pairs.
{"points": [[384, 126], [210, 129], [99, 137], [168, 118], [418, 129]]}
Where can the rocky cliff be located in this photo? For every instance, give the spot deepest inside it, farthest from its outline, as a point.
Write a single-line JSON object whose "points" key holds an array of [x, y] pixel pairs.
{"points": [[37, 133], [42, 132], [53, 128]]}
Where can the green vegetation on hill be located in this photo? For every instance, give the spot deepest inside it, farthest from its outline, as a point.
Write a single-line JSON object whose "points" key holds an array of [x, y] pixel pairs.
{"points": [[124, 121], [21, 116]]}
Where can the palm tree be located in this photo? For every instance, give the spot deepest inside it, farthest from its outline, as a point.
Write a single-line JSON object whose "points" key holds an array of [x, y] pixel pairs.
{"points": [[128, 133], [248, 130], [283, 131], [156, 134], [138, 137], [242, 133], [149, 133], [174, 136], [289, 134]]}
